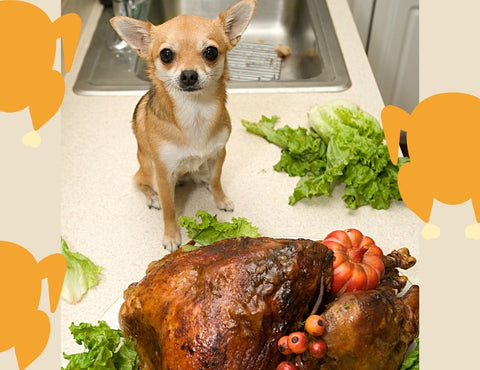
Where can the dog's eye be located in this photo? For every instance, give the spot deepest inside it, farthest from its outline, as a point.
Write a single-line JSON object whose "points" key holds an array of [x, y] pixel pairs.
{"points": [[210, 53], [166, 56]]}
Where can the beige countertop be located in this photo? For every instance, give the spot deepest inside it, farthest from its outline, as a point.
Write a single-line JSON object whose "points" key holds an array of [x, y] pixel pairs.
{"points": [[105, 217]]}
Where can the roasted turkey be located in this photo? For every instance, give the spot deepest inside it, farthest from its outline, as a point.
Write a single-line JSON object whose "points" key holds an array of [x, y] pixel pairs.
{"points": [[370, 330], [225, 306]]}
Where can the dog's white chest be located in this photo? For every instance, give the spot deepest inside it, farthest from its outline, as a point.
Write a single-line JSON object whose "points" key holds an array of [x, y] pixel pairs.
{"points": [[195, 118], [199, 145], [182, 159]]}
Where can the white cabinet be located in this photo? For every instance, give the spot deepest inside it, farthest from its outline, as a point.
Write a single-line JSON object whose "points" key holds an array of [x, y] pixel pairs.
{"points": [[362, 11], [392, 45]]}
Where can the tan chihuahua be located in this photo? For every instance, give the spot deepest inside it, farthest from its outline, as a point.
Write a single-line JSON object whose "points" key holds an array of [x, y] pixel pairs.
{"points": [[182, 124]]}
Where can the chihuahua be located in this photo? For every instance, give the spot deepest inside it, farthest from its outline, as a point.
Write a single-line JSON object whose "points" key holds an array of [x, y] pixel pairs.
{"points": [[181, 124]]}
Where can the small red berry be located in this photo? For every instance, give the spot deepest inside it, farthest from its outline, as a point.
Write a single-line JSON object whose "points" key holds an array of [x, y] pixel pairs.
{"points": [[286, 365], [317, 348], [315, 325], [282, 345], [298, 342]]}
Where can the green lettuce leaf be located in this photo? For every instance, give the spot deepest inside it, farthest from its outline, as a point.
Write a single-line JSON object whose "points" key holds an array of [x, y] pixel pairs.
{"points": [[210, 230], [303, 151], [82, 274], [104, 349], [126, 357], [356, 154], [347, 119], [344, 145], [412, 361]]}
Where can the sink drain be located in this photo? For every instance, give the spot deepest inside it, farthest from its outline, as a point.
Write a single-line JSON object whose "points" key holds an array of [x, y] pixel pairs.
{"points": [[254, 62]]}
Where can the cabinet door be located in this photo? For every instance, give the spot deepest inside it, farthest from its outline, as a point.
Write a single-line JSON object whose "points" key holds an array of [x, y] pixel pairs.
{"points": [[393, 51], [362, 11]]}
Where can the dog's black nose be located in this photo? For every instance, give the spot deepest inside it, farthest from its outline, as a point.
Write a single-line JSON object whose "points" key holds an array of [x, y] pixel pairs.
{"points": [[188, 78]]}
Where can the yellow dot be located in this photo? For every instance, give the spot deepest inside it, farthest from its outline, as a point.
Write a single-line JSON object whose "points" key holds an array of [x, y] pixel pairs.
{"points": [[473, 231], [430, 231], [32, 139]]}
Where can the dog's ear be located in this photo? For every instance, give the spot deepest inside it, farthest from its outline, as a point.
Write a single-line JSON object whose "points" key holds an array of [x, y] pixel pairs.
{"points": [[136, 33], [236, 19]]}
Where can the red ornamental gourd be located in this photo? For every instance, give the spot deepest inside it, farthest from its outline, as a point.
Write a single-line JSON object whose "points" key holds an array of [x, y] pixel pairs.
{"points": [[358, 263]]}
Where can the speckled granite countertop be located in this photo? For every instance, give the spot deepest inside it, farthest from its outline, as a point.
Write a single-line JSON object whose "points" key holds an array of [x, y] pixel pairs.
{"points": [[105, 217]]}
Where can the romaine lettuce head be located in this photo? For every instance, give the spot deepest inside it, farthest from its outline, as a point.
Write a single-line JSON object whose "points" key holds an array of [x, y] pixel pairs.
{"points": [[346, 119], [344, 144], [356, 155]]}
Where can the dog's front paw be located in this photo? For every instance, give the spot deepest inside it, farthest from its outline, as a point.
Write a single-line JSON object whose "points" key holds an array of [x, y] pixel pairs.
{"points": [[225, 205], [171, 243]]}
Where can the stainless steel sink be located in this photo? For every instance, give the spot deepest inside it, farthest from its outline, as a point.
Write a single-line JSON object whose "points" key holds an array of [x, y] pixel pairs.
{"points": [[315, 63]]}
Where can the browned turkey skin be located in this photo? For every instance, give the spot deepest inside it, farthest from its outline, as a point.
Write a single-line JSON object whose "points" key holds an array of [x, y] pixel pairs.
{"points": [[224, 306], [369, 330]]}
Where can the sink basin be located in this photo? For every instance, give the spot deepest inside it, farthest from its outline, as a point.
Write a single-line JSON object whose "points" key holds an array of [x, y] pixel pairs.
{"points": [[314, 61]]}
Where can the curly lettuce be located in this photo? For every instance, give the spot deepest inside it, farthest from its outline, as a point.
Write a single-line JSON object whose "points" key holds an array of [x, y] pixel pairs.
{"points": [[356, 155], [208, 229], [343, 144], [105, 349], [303, 151]]}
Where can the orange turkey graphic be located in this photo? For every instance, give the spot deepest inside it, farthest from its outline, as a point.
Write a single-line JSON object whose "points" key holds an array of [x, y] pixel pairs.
{"points": [[28, 43], [24, 326], [443, 134]]}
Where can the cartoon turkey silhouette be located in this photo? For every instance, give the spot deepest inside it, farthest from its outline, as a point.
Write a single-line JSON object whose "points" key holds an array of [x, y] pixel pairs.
{"points": [[24, 326], [442, 137], [28, 43]]}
